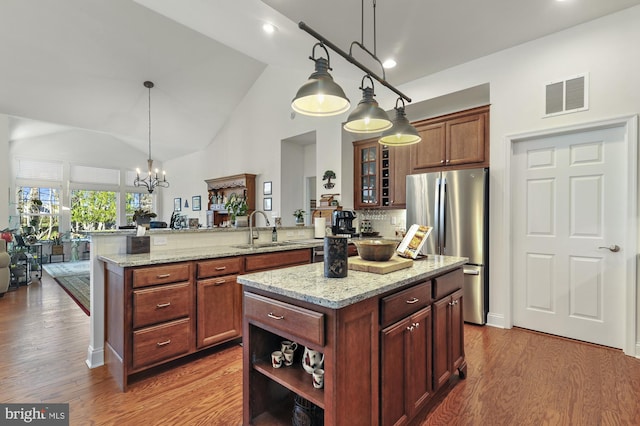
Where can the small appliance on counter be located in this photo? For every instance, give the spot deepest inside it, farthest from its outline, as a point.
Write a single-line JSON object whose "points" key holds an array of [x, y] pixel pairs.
{"points": [[342, 223]]}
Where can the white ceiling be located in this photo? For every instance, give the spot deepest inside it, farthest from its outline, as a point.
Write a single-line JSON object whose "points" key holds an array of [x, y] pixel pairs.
{"points": [[81, 63]]}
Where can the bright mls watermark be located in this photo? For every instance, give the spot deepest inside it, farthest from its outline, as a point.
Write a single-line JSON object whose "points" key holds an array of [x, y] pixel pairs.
{"points": [[34, 414]]}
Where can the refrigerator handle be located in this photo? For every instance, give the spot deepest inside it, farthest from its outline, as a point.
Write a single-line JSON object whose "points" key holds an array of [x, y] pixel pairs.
{"points": [[442, 223], [436, 217]]}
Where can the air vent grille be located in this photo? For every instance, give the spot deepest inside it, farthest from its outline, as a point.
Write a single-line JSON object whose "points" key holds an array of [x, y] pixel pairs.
{"points": [[566, 96]]}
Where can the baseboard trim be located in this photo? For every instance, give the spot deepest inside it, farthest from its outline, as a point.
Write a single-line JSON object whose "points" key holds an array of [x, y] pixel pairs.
{"points": [[95, 358], [496, 320]]}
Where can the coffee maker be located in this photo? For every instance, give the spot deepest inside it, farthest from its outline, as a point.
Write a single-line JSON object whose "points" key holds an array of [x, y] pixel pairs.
{"points": [[342, 223]]}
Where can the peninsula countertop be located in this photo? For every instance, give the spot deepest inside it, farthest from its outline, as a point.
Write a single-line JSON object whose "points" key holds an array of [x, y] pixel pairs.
{"points": [[308, 283], [210, 252]]}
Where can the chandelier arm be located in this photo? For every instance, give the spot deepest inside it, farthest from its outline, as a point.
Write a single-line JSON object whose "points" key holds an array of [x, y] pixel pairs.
{"points": [[351, 59]]}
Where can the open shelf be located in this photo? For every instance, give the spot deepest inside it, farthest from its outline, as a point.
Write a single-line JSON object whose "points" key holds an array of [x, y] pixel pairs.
{"points": [[294, 378]]}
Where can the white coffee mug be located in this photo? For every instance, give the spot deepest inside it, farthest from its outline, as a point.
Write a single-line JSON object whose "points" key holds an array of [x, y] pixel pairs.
{"points": [[287, 344], [277, 358], [318, 378], [288, 357]]}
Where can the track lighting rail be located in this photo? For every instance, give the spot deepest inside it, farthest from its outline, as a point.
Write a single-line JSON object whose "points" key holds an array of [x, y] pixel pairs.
{"points": [[351, 59]]}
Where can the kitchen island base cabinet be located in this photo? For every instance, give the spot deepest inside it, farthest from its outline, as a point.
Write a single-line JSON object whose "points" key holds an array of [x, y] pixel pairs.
{"points": [[448, 339], [350, 392]]}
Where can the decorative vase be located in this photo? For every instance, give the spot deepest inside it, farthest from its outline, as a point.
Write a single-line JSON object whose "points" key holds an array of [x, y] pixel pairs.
{"points": [[335, 257], [242, 221], [299, 221]]}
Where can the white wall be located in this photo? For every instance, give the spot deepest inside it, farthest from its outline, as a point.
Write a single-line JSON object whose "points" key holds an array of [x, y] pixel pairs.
{"points": [[605, 48], [4, 175]]}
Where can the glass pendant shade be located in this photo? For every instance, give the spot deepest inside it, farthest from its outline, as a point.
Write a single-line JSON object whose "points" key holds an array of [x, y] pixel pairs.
{"points": [[320, 96], [368, 117], [401, 132]]}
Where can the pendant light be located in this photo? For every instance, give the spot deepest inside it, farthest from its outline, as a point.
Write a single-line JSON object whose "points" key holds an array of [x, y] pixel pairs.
{"points": [[402, 132], [368, 117], [150, 181], [320, 96]]}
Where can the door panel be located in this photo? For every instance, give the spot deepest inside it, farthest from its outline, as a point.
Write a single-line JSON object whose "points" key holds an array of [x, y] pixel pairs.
{"points": [[569, 205]]}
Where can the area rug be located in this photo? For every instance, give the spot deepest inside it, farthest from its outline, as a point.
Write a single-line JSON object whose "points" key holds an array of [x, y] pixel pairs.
{"points": [[62, 269], [77, 286]]}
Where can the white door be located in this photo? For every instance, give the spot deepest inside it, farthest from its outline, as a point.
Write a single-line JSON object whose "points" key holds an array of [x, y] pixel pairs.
{"points": [[569, 208]]}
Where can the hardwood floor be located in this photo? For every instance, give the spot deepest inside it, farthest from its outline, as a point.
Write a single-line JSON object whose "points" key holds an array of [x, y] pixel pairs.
{"points": [[514, 376]]}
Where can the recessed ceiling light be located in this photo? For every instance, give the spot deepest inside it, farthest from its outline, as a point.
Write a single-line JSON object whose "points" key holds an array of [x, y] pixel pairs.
{"points": [[269, 28], [389, 63]]}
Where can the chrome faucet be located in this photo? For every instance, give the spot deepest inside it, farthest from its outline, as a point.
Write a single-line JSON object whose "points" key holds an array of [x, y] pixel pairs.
{"points": [[251, 236]]}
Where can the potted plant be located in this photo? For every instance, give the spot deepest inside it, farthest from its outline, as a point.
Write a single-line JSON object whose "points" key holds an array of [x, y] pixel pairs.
{"points": [[237, 208], [328, 175], [143, 217], [299, 215]]}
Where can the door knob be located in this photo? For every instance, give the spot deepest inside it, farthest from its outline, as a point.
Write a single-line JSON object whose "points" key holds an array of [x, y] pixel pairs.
{"points": [[614, 248]]}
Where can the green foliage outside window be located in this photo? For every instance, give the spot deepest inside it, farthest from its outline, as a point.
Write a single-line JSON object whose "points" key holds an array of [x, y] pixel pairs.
{"points": [[93, 210]]}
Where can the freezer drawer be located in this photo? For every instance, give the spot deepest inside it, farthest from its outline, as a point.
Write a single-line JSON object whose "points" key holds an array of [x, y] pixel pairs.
{"points": [[474, 303]]}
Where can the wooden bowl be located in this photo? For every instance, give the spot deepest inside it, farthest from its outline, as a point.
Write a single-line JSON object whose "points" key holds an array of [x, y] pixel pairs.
{"points": [[375, 249]]}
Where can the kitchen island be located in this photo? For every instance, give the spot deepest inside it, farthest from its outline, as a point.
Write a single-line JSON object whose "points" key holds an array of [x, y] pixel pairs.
{"points": [[390, 342]]}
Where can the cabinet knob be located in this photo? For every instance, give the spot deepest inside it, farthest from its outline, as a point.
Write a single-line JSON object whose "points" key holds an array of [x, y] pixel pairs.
{"points": [[448, 161], [441, 161], [410, 328], [416, 324]]}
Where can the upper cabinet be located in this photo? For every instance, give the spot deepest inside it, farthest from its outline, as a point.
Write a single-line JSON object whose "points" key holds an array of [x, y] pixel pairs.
{"points": [[452, 141], [379, 175]]}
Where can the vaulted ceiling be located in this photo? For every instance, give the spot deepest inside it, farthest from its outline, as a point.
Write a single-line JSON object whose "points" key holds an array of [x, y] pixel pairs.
{"points": [[81, 63]]}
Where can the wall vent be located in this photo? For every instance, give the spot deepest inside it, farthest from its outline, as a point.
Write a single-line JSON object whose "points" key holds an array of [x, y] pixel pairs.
{"points": [[566, 96]]}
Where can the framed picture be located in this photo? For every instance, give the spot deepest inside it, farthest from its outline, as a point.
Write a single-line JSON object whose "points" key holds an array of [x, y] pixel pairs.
{"points": [[267, 204], [266, 188], [195, 203], [177, 204]]}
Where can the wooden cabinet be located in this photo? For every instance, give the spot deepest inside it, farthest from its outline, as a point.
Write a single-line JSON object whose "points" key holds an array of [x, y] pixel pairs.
{"points": [[366, 174], [448, 339], [220, 189], [452, 141], [155, 314], [406, 355], [350, 393], [380, 175], [219, 301]]}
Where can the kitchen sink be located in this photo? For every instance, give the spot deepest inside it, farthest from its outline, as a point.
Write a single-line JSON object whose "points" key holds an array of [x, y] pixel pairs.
{"points": [[263, 245]]}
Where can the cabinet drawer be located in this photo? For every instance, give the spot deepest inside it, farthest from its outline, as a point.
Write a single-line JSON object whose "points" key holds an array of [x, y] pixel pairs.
{"points": [[447, 283], [161, 274], [280, 316], [218, 267], [261, 262], [154, 344], [159, 304], [404, 303]]}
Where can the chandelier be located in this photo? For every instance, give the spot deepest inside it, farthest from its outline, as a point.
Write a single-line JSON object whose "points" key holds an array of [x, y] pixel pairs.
{"points": [[151, 181]]}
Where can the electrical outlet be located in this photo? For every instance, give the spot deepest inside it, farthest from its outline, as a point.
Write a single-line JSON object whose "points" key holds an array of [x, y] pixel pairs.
{"points": [[159, 241], [393, 220]]}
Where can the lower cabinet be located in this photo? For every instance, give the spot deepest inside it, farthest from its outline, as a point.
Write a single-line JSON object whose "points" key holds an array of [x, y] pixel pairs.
{"points": [[155, 314], [448, 337], [406, 384]]}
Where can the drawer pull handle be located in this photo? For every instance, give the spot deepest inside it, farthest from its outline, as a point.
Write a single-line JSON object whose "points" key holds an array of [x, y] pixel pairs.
{"points": [[220, 268], [220, 282], [412, 301], [163, 275], [163, 305], [165, 343], [275, 317]]}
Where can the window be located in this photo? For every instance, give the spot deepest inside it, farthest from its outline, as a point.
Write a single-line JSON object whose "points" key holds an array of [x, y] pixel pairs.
{"points": [[93, 210], [39, 210], [135, 201]]}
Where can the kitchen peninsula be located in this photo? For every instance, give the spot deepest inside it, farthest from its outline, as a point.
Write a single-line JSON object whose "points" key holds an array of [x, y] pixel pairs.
{"points": [[390, 342]]}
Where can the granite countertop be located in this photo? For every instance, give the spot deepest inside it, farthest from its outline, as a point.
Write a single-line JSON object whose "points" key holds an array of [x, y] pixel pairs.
{"points": [[199, 253], [307, 282]]}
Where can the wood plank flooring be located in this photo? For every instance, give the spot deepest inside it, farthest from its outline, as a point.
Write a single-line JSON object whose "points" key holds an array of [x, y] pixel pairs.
{"points": [[515, 377]]}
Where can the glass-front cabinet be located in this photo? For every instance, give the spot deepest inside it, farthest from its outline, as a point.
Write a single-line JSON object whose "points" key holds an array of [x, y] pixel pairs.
{"points": [[367, 179]]}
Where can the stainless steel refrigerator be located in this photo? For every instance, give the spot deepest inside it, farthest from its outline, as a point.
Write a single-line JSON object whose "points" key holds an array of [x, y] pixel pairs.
{"points": [[456, 204]]}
